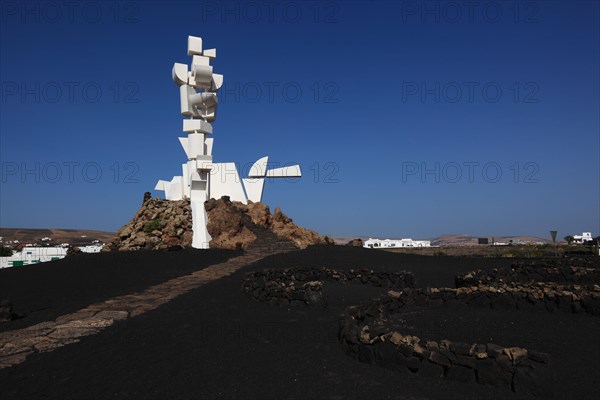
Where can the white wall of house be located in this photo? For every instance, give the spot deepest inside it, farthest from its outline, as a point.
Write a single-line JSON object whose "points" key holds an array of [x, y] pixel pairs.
{"points": [[584, 237], [34, 255], [94, 248], [390, 243]]}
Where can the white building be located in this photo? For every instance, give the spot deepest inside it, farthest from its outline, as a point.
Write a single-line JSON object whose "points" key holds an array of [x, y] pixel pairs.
{"points": [[33, 255], [584, 237], [388, 243], [93, 248]]}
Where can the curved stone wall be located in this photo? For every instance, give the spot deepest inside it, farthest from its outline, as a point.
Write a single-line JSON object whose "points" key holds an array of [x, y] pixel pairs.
{"points": [[304, 286], [365, 337], [370, 332]]}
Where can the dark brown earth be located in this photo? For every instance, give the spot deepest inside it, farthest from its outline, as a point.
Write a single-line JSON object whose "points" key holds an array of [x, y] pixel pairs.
{"points": [[215, 342]]}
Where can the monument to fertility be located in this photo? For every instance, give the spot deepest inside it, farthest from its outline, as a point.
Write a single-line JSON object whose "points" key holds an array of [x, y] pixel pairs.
{"points": [[202, 179]]}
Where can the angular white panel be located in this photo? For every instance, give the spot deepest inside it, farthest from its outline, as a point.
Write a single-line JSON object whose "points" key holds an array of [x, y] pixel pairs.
{"points": [[200, 60], [217, 82], [293, 171], [160, 185], [184, 144], [212, 53], [185, 181], [254, 188], [204, 163], [196, 125], [174, 189], [259, 168], [195, 145], [198, 180], [200, 105], [194, 45], [209, 146], [225, 181], [185, 92], [180, 74], [202, 75]]}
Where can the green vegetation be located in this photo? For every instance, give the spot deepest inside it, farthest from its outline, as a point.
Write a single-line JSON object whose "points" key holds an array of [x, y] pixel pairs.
{"points": [[569, 239], [153, 225], [5, 251]]}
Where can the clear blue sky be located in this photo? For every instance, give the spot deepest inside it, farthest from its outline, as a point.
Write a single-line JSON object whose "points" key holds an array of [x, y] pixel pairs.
{"points": [[409, 119]]}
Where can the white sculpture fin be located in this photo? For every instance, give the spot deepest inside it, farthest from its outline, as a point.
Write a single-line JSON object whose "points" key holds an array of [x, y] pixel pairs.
{"points": [[254, 188], [209, 146], [292, 171], [259, 168], [180, 74], [160, 185], [184, 144], [212, 53]]}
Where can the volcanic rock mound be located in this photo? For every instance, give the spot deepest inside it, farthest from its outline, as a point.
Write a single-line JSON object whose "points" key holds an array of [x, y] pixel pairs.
{"points": [[161, 224]]}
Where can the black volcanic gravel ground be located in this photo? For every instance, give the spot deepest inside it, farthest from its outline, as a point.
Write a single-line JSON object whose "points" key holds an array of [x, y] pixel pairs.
{"points": [[42, 292], [215, 342]]}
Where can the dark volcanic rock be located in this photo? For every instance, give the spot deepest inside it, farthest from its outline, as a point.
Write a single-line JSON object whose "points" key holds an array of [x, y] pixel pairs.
{"points": [[6, 309], [489, 372], [355, 243]]}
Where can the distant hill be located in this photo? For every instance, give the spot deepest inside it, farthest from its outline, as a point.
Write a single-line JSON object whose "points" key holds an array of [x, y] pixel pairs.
{"points": [[456, 239], [468, 240], [77, 236], [58, 236]]}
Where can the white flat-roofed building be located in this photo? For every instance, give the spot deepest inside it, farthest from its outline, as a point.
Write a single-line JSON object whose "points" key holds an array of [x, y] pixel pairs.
{"points": [[33, 255], [395, 243], [94, 248], [584, 237]]}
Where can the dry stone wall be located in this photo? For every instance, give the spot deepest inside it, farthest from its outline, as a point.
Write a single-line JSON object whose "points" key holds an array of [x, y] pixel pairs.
{"points": [[532, 272], [366, 336], [304, 286]]}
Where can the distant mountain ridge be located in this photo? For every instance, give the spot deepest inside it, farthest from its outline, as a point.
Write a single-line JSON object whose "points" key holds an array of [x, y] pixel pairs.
{"points": [[457, 239], [58, 236], [29, 235], [469, 240]]}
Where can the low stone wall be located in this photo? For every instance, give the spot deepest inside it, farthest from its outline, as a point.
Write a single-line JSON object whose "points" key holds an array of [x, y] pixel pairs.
{"points": [[524, 273], [534, 296], [304, 286], [365, 337]]}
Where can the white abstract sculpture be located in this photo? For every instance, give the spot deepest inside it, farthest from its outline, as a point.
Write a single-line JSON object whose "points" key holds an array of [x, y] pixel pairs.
{"points": [[201, 178]]}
